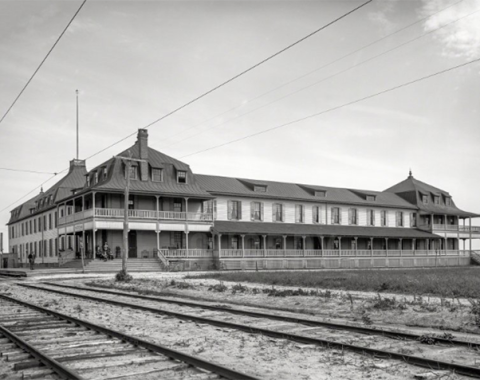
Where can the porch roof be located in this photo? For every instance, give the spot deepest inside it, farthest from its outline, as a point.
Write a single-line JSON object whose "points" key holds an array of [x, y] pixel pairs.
{"points": [[259, 228]]}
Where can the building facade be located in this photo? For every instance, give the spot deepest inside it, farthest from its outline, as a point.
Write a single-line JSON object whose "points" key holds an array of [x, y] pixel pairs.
{"points": [[197, 221]]}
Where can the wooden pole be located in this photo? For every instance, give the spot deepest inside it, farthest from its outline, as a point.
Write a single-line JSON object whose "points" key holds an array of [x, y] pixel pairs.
{"points": [[125, 217]]}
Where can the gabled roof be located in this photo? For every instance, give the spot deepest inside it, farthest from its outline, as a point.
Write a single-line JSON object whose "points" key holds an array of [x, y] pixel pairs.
{"points": [[412, 184], [292, 191], [60, 190]]}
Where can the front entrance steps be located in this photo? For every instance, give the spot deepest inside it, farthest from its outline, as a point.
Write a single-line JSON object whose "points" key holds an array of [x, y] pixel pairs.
{"points": [[115, 265], [475, 257]]}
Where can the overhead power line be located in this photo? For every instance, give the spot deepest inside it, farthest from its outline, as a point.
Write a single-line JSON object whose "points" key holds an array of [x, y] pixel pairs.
{"points": [[307, 74], [44, 59], [236, 76], [26, 171], [323, 79], [335, 108]]}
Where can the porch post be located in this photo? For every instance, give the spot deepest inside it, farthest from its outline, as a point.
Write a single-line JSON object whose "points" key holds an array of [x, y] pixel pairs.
{"points": [[82, 246], [284, 245], [94, 240], [400, 243], [158, 239], [321, 239], [470, 233], [186, 240], [219, 245], [243, 245], [386, 245], [414, 241], [304, 238], [356, 244], [340, 245], [264, 245], [371, 246]]}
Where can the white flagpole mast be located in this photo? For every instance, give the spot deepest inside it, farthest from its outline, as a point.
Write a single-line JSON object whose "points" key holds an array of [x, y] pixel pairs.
{"points": [[76, 91]]}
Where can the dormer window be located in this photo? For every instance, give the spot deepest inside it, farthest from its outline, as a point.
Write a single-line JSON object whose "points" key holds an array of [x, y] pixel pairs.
{"points": [[88, 181], [370, 198], [133, 172], [105, 172], [437, 199], [96, 178], [448, 201], [425, 199], [181, 176], [320, 193], [157, 175], [260, 189]]}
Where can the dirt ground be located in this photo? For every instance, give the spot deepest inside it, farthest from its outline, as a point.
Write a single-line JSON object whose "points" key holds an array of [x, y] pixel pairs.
{"points": [[260, 356]]}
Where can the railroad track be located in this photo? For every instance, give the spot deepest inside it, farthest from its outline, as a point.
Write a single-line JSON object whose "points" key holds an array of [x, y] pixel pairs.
{"points": [[44, 344], [376, 342]]}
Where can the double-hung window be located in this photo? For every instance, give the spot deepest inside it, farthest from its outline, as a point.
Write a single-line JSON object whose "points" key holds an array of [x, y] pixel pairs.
{"points": [[299, 214], [234, 210], [316, 214], [413, 219], [399, 217], [383, 218], [352, 216], [370, 217], [181, 176], [277, 212], [336, 216], [157, 175], [256, 210]]}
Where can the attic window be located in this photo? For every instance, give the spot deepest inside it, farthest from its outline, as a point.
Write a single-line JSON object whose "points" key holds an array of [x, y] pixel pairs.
{"points": [[181, 176], [260, 189], [425, 199], [437, 199], [448, 201], [96, 177], [105, 173], [370, 198], [157, 175], [320, 193], [88, 181]]}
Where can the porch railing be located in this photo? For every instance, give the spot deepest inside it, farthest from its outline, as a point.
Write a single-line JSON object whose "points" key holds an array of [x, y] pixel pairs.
{"points": [[186, 253], [154, 215], [238, 253], [450, 227]]}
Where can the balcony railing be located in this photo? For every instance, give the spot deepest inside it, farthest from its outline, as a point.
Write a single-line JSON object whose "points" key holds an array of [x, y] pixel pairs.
{"points": [[138, 214], [237, 253], [450, 227]]}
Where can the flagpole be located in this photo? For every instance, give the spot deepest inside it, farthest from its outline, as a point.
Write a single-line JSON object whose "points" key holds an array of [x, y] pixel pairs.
{"points": [[76, 91]]}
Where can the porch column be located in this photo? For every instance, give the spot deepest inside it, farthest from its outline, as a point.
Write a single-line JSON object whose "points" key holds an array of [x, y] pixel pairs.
{"points": [[157, 216], [386, 245], [284, 245], [470, 233], [94, 240], [356, 244], [219, 245], [186, 208], [414, 242], [371, 246], [158, 239], [82, 246], [264, 245], [400, 243], [340, 245], [304, 238], [322, 247], [243, 245], [186, 240], [74, 244]]}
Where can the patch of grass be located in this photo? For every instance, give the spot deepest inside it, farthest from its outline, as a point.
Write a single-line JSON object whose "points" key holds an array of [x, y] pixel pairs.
{"points": [[442, 282]]}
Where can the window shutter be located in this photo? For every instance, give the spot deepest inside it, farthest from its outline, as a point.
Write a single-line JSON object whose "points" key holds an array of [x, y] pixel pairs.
{"points": [[239, 210], [303, 214], [314, 216], [373, 218], [284, 210], [274, 215], [332, 217], [229, 211], [252, 211], [261, 211], [339, 215], [350, 216]]}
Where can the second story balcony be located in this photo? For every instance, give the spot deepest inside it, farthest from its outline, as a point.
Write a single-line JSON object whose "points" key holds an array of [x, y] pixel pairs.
{"points": [[145, 215]]}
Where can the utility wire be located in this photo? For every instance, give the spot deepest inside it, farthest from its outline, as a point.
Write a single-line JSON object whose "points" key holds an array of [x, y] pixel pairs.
{"points": [[236, 76], [337, 107], [26, 171], [26, 195], [44, 59], [323, 79], [307, 74]]}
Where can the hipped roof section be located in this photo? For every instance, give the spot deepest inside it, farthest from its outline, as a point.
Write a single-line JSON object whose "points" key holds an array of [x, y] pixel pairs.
{"points": [[290, 191]]}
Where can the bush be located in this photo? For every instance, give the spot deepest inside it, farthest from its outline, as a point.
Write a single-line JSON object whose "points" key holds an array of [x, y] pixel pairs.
{"points": [[218, 288], [123, 276]]}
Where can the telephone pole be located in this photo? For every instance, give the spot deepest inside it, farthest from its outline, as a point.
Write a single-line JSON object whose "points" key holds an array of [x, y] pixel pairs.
{"points": [[128, 165]]}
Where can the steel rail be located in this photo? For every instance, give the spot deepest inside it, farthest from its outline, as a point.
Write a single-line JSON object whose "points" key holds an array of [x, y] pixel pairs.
{"points": [[49, 362], [284, 318], [377, 353], [173, 354]]}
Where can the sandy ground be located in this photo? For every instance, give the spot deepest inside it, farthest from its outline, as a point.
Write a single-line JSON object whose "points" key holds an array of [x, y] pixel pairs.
{"points": [[256, 355]]}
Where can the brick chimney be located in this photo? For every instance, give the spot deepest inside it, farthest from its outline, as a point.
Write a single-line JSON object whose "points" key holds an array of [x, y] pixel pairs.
{"points": [[142, 140]]}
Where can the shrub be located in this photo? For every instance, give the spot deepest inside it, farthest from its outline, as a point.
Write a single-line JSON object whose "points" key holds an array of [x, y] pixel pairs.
{"points": [[123, 276], [221, 287]]}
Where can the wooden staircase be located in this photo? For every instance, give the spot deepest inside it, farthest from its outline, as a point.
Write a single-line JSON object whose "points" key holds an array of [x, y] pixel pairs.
{"points": [[475, 257], [115, 265]]}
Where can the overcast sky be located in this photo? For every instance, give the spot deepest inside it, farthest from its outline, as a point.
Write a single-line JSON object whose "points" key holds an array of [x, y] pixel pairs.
{"points": [[135, 61]]}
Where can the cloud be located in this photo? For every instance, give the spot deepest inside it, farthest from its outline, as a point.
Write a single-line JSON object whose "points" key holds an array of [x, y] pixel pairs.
{"points": [[460, 39], [382, 16]]}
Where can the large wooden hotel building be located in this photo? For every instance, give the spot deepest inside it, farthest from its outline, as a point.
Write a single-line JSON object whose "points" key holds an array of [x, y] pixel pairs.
{"points": [[192, 221]]}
